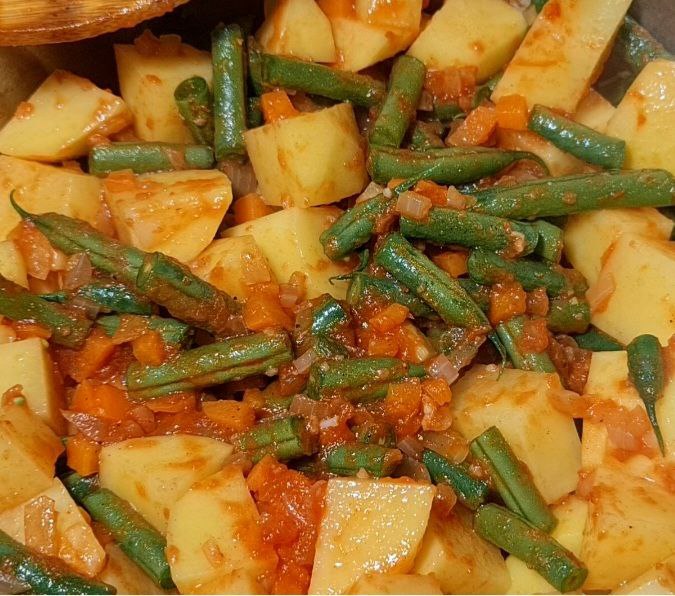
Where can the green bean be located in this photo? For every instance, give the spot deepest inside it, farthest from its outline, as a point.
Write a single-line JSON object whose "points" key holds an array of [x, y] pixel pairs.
{"points": [[254, 115], [447, 111], [328, 316], [638, 47], [193, 100], [470, 491], [172, 332], [284, 438], [510, 333], [568, 315], [484, 91], [459, 345], [597, 341], [375, 432], [426, 135], [550, 244], [348, 460], [109, 296]]}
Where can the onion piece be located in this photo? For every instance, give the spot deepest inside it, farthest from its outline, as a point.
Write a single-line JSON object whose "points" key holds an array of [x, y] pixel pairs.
{"points": [[303, 363], [301, 405], [601, 291], [455, 199], [144, 416], [241, 176], [413, 205], [92, 427], [372, 190], [255, 268], [440, 367], [414, 469], [78, 271], [411, 447], [450, 444], [39, 521]]}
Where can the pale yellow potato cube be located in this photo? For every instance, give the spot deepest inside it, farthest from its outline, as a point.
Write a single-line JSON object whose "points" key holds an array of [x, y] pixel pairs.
{"points": [[394, 583], [28, 450], [458, 558], [480, 33], [562, 52], [519, 404], [368, 526], [58, 120], [225, 263], [289, 239], [12, 266], [148, 80], [594, 111], [76, 543], [660, 579], [152, 473], [630, 528], [645, 118], [28, 363], [312, 159], [641, 272], [127, 577], [214, 542], [297, 28], [176, 213], [571, 514], [588, 236], [41, 188]]}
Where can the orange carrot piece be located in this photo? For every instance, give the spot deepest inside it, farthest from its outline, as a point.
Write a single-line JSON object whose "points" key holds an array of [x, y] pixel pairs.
{"points": [[97, 350], [512, 112], [98, 399], [476, 129], [507, 300], [452, 262], [263, 309], [149, 348], [276, 106], [437, 193], [389, 318], [250, 207], [235, 416], [82, 455]]}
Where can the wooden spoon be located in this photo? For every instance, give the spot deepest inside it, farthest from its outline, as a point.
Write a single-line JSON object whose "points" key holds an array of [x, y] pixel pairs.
{"points": [[34, 22]]}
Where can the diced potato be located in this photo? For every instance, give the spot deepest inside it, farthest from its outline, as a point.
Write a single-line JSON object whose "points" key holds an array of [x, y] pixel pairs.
{"points": [[177, 213], [518, 403], [480, 33], [562, 52], [289, 239], [462, 562], [298, 28], [224, 264], [120, 571], [42, 188], [630, 528], [588, 236], [645, 118], [28, 363], [76, 543], [660, 579], [214, 542], [368, 526], [152, 473], [12, 266], [28, 450], [571, 514], [148, 80], [642, 273], [386, 583], [594, 111], [58, 120], [312, 159]]}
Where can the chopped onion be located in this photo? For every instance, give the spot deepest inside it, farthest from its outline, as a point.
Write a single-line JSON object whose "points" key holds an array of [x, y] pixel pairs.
{"points": [[301, 405], [291, 293], [455, 199], [59, 260], [241, 176], [78, 271], [90, 308], [413, 205], [414, 469], [411, 447], [601, 291], [372, 190], [92, 427], [445, 497], [9, 584], [441, 368], [39, 521], [213, 553], [130, 328], [303, 363], [255, 268], [144, 416], [450, 444]]}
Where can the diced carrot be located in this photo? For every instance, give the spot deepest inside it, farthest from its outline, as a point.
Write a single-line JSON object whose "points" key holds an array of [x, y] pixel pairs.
{"points": [[438, 390], [512, 112], [382, 344], [413, 346], [235, 416], [276, 105], [537, 302], [82, 455], [290, 381], [27, 329], [94, 354], [452, 85], [507, 300], [436, 396], [389, 318], [437, 193], [476, 129], [250, 207], [98, 399], [452, 262], [402, 406], [149, 348], [534, 337], [263, 309], [173, 404]]}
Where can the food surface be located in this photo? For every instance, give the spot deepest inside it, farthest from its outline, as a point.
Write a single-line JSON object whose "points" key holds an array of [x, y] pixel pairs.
{"points": [[357, 297]]}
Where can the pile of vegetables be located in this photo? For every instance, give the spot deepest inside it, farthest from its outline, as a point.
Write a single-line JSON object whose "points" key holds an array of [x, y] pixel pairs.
{"points": [[376, 299]]}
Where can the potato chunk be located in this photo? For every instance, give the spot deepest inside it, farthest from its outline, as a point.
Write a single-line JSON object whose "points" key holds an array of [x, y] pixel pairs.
{"points": [[214, 542], [149, 73], [58, 120], [562, 52], [127, 577], [461, 560], [289, 239], [41, 188], [480, 33], [12, 265], [518, 403], [368, 526], [177, 213], [639, 278], [645, 118], [152, 473], [312, 159], [660, 579], [594, 111], [394, 583]]}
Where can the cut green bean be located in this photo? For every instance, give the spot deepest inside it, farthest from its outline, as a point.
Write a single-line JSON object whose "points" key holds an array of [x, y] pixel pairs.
{"points": [[172, 332], [68, 328], [550, 244], [484, 91], [194, 101], [638, 47], [510, 532], [568, 195], [42, 574], [254, 115], [597, 341], [328, 316], [400, 104], [426, 135], [512, 479], [459, 345], [581, 141], [358, 379], [348, 460], [148, 157], [212, 364], [229, 92], [447, 111], [284, 438], [136, 537], [568, 315], [511, 333], [647, 373], [444, 294], [375, 432], [470, 491], [109, 296]]}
